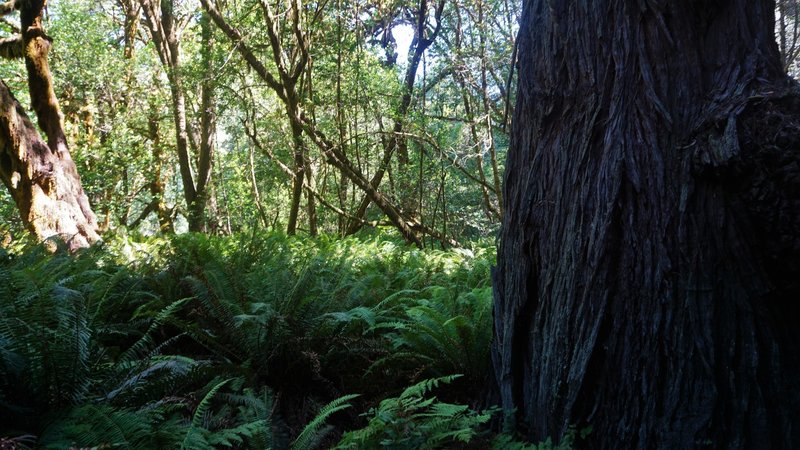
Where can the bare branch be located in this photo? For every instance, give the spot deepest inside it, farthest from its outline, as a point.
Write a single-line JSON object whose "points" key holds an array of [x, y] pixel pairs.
{"points": [[247, 53]]}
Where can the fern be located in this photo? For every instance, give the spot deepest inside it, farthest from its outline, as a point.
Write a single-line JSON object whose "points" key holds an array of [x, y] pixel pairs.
{"points": [[139, 349], [191, 441], [413, 420], [113, 346], [445, 333], [96, 426], [314, 430], [423, 387]]}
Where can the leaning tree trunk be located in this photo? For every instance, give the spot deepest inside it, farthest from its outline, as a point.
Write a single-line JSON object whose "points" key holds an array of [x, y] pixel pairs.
{"points": [[647, 279], [41, 176]]}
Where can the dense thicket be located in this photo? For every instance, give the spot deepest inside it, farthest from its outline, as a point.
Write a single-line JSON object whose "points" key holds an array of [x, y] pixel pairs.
{"points": [[240, 342]]}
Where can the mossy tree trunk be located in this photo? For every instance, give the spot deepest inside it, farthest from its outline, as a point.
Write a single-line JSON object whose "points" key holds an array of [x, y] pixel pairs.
{"points": [[647, 278], [41, 176]]}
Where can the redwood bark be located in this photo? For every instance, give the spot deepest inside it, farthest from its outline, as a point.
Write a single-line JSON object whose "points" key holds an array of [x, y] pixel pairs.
{"points": [[647, 277]]}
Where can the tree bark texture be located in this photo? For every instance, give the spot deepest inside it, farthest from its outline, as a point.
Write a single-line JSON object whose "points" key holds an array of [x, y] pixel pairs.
{"points": [[41, 176], [647, 279]]}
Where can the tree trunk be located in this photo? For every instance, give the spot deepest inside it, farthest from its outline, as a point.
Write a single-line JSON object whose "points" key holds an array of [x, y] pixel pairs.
{"points": [[254, 186], [157, 187], [132, 10], [297, 183], [482, 33], [164, 29], [208, 130], [41, 177], [311, 203], [647, 272], [287, 92]]}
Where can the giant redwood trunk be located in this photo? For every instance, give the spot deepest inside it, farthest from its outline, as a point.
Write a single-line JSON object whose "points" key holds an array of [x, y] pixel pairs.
{"points": [[41, 176], [648, 275]]}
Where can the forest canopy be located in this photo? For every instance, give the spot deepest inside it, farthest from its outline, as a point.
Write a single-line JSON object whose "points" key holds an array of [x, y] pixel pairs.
{"points": [[320, 117]]}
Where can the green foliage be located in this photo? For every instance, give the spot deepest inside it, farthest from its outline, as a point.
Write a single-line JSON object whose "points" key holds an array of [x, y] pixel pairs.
{"points": [[444, 331], [241, 342], [106, 100], [115, 95], [414, 420], [315, 429], [507, 441]]}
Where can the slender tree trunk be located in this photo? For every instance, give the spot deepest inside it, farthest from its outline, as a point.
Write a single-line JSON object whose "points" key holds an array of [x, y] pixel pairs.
{"points": [[254, 186], [286, 91], [491, 211], [42, 178], [163, 27], [310, 190], [182, 141], [311, 203], [486, 107], [460, 77], [157, 188], [397, 141], [341, 123], [297, 183], [647, 272], [132, 10], [171, 57]]}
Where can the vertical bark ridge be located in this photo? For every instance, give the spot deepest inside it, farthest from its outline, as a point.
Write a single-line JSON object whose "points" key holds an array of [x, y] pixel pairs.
{"points": [[643, 272]]}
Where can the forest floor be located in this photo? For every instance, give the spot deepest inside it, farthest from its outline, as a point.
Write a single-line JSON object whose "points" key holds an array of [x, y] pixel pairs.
{"points": [[250, 341]]}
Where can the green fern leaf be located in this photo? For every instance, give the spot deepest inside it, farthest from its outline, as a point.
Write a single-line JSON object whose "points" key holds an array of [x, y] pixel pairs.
{"points": [[311, 432]]}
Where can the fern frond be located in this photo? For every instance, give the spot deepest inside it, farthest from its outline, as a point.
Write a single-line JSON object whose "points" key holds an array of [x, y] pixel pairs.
{"points": [[311, 432], [140, 348], [195, 436], [425, 386]]}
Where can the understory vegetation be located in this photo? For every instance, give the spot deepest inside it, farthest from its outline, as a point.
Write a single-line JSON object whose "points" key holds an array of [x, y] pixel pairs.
{"points": [[248, 341]]}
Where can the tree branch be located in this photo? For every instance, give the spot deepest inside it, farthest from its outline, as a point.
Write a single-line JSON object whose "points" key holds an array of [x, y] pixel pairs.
{"points": [[247, 53], [12, 48], [8, 7]]}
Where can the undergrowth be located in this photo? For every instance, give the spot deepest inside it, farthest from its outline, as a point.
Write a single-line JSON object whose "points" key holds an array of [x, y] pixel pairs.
{"points": [[251, 341]]}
